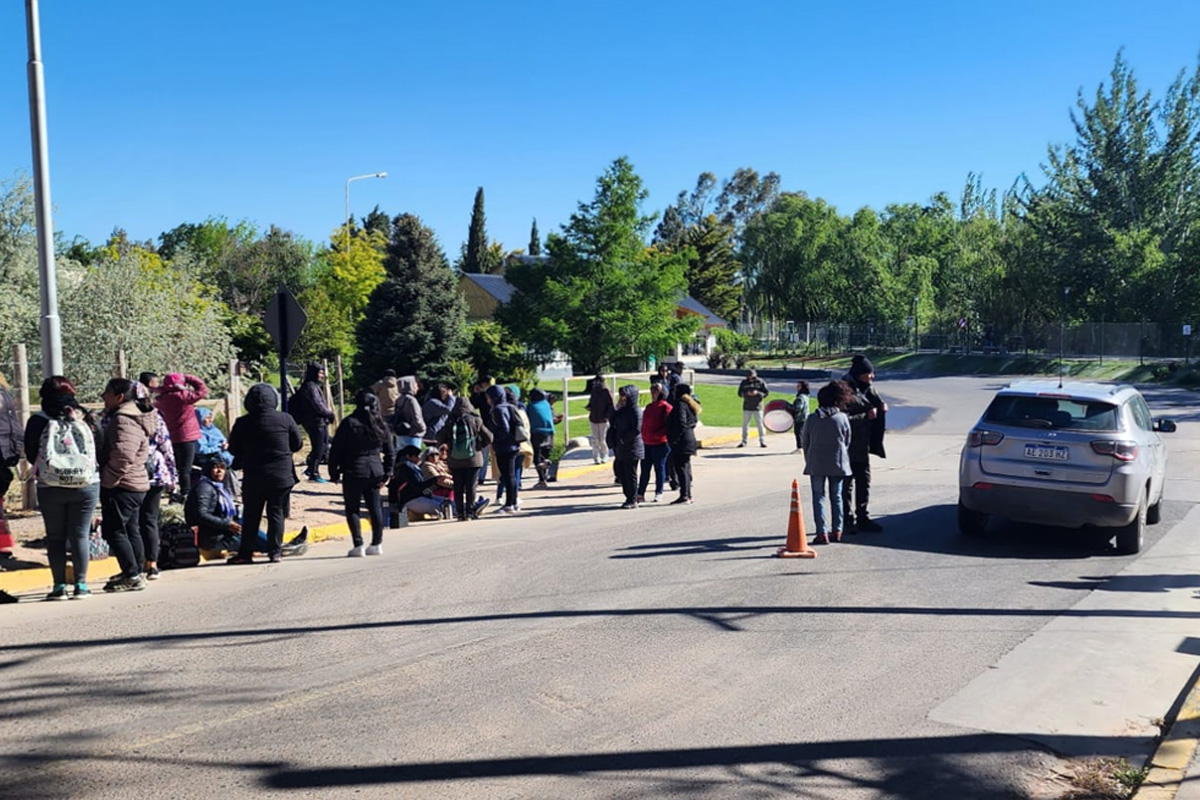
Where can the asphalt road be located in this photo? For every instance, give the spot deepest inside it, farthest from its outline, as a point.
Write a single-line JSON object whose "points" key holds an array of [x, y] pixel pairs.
{"points": [[584, 651]]}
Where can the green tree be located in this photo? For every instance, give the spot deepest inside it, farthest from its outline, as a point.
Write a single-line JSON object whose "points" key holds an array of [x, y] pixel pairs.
{"points": [[20, 303], [495, 350], [476, 245], [712, 269], [535, 240], [415, 320], [603, 295]]}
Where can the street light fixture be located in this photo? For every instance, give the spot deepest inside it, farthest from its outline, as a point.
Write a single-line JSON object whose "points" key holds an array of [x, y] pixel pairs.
{"points": [[348, 182]]}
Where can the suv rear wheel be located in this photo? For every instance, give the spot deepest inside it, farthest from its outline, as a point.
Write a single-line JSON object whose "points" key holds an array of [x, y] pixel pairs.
{"points": [[1130, 537], [971, 523], [1154, 512]]}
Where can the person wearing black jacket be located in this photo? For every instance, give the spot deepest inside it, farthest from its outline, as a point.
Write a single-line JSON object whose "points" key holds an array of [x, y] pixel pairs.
{"points": [[309, 408], [505, 445], [753, 391], [681, 436], [362, 459], [628, 447], [866, 411], [262, 443]]}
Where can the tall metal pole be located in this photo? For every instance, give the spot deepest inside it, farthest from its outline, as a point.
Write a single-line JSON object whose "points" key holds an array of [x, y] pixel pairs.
{"points": [[52, 362]]}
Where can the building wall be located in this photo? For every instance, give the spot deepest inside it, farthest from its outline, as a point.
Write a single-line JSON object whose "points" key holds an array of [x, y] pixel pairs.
{"points": [[480, 304]]}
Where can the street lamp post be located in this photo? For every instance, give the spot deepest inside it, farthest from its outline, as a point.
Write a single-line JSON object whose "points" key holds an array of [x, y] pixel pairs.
{"points": [[916, 324], [348, 182], [52, 361]]}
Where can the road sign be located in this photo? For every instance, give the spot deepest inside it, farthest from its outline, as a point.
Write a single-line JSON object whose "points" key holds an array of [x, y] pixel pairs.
{"points": [[285, 320], [1187, 330]]}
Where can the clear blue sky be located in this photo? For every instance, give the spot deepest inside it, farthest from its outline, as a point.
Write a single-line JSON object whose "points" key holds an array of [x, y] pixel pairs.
{"points": [[164, 112]]}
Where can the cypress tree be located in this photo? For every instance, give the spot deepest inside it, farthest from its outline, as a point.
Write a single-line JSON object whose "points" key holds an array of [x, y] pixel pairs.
{"points": [[535, 240], [477, 243], [416, 321]]}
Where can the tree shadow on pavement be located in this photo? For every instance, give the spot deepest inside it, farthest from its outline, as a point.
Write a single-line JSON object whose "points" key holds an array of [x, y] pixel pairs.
{"points": [[697, 547], [1126, 583]]}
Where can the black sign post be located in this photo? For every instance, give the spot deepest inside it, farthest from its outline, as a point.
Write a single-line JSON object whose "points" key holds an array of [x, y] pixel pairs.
{"points": [[285, 322]]}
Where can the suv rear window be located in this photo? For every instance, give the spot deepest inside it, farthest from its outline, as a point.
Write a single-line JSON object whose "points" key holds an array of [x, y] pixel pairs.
{"points": [[1052, 413]]}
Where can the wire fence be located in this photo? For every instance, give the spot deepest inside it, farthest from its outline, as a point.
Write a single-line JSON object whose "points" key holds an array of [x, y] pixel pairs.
{"points": [[1124, 340]]}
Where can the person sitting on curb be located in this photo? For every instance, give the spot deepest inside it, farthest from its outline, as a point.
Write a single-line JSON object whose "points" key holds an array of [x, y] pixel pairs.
{"points": [[433, 465], [412, 491], [211, 510]]}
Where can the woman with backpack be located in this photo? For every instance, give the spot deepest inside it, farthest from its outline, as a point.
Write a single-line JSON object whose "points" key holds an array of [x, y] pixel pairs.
{"points": [[62, 442], [466, 436], [361, 457], [164, 477], [128, 424]]}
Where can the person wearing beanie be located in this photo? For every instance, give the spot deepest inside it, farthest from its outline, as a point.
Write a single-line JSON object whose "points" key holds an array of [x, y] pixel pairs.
{"points": [[865, 410]]}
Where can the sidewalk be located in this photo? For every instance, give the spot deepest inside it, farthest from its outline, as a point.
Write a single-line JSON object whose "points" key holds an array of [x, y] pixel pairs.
{"points": [[315, 505]]}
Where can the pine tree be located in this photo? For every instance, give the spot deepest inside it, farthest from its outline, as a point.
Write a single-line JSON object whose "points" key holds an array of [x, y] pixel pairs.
{"points": [[476, 247], [712, 268], [415, 321], [535, 240]]}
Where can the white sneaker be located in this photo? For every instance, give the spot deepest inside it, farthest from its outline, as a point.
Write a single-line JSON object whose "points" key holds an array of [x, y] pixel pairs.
{"points": [[356, 552], [374, 549], [657, 497], [504, 510]]}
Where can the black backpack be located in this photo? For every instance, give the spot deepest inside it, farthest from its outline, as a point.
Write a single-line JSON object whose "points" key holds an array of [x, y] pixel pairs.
{"points": [[177, 548]]}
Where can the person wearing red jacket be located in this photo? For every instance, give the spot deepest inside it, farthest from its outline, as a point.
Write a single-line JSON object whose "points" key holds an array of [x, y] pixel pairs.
{"points": [[654, 434], [177, 398]]}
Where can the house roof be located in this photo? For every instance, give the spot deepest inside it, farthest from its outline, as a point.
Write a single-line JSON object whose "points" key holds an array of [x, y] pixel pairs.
{"points": [[495, 285], [696, 307]]}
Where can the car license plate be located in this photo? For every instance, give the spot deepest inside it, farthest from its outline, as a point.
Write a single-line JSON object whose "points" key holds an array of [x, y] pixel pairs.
{"points": [[1047, 452]]}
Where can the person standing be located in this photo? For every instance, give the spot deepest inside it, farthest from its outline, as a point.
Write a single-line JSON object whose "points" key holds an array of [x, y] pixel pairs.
{"points": [[681, 436], [654, 438], [308, 407], [68, 485], [479, 402], [435, 411], [752, 390], [164, 477], [177, 398], [387, 390], [10, 456], [362, 458], [407, 422], [628, 448], [799, 408], [825, 439], [262, 442], [465, 436], [866, 411], [506, 445], [128, 423], [600, 409], [541, 434]]}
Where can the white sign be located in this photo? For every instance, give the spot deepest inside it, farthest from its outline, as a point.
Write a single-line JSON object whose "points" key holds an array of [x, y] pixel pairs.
{"points": [[1187, 330]]}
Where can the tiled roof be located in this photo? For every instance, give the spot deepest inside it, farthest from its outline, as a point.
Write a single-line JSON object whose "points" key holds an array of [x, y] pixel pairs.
{"points": [[495, 285]]}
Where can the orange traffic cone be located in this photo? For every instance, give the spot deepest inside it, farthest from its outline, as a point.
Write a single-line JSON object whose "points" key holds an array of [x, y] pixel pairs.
{"points": [[797, 539]]}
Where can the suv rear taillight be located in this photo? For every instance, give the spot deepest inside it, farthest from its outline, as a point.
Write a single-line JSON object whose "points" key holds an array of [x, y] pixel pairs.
{"points": [[1118, 449], [981, 437]]}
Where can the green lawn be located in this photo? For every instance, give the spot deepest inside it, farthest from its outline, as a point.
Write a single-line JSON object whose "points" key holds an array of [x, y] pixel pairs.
{"points": [[722, 406]]}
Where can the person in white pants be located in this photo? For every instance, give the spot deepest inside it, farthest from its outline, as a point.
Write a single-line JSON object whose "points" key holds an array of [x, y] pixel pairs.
{"points": [[752, 390], [600, 410]]}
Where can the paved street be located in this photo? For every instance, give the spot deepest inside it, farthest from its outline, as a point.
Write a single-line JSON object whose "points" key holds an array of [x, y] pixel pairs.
{"points": [[584, 651]]}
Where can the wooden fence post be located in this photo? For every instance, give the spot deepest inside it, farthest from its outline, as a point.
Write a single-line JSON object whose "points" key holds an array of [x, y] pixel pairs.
{"points": [[120, 367]]}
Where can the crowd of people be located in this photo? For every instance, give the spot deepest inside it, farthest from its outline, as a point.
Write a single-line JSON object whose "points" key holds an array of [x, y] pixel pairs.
{"points": [[425, 453]]}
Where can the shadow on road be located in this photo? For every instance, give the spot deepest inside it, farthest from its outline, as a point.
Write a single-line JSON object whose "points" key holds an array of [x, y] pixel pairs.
{"points": [[698, 547]]}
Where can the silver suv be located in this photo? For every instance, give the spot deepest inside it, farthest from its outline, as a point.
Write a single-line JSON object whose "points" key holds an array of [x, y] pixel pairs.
{"points": [[1071, 455]]}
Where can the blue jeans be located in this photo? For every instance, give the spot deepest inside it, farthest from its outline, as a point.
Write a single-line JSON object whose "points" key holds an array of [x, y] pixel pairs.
{"points": [[820, 502], [656, 456]]}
